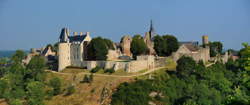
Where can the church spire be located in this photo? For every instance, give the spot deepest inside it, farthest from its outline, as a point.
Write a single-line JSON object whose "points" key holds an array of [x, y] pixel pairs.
{"points": [[151, 30]]}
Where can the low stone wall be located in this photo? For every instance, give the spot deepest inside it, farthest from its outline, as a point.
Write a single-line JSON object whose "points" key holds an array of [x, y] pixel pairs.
{"points": [[160, 61]]}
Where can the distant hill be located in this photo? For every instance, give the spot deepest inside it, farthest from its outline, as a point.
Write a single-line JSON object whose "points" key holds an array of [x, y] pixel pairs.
{"points": [[7, 53]]}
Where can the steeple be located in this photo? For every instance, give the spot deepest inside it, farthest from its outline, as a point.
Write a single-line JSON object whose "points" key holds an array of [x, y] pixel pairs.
{"points": [[151, 30]]}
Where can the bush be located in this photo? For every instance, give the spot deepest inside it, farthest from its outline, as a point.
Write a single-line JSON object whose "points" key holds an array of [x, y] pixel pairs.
{"points": [[96, 69], [70, 90], [87, 78], [111, 70], [55, 83]]}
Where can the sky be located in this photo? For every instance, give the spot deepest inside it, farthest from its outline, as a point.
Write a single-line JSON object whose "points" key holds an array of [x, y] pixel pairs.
{"points": [[26, 24]]}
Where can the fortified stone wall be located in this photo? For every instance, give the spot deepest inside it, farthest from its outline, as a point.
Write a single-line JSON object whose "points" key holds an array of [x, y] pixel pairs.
{"points": [[160, 61], [143, 62]]}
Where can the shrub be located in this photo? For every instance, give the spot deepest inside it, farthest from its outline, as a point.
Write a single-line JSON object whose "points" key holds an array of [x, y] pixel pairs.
{"points": [[96, 69], [87, 78], [70, 90], [111, 70], [55, 83]]}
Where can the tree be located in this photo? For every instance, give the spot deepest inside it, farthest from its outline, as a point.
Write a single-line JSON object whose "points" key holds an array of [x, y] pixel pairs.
{"points": [[97, 49], [18, 56], [56, 84], [171, 43], [185, 66], [215, 48], [138, 46], [245, 57], [109, 44], [35, 93], [160, 45], [35, 68]]}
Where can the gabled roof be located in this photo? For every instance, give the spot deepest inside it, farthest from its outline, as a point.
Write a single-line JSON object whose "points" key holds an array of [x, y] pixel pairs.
{"points": [[191, 47]]}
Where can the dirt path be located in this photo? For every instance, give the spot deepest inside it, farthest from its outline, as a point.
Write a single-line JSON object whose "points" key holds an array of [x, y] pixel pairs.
{"points": [[118, 76]]}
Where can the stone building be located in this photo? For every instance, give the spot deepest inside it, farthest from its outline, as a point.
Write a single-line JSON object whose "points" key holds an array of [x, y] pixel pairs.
{"points": [[196, 52], [72, 52], [71, 48]]}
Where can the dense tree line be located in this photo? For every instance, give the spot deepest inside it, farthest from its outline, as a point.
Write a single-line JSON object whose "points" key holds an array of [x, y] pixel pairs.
{"points": [[25, 84], [193, 84]]}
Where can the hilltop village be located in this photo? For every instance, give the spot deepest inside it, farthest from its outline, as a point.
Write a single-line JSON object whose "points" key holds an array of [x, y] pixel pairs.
{"points": [[139, 70], [72, 51]]}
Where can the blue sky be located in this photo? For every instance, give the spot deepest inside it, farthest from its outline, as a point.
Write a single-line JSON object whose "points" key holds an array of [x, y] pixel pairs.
{"points": [[26, 24]]}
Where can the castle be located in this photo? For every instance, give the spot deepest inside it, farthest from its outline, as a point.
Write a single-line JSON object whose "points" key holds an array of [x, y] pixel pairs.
{"points": [[71, 49], [72, 52]]}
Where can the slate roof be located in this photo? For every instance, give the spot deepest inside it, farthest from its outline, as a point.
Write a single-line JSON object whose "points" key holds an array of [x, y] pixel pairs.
{"points": [[195, 43], [77, 38]]}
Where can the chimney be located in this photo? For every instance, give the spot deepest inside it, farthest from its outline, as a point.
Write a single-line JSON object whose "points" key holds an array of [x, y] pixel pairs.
{"points": [[74, 33], [81, 33]]}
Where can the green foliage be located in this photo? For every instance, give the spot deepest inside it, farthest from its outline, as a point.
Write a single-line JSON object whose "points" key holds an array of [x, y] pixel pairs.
{"points": [[35, 68], [160, 45], [98, 48], [88, 78], [245, 57], [109, 44], [70, 90], [56, 84], [23, 84], [111, 70], [215, 48], [96, 69], [138, 46], [18, 56], [165, 45], [192, 84], [171, 43], [185, 66], [132, 94], [16, 102], [35, 93]]}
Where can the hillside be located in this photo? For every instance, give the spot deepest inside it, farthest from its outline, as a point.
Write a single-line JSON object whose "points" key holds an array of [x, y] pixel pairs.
{"points": [[92, 94]]}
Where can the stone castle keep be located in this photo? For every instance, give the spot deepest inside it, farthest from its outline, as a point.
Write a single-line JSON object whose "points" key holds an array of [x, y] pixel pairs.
{"points": [[72, 52]]}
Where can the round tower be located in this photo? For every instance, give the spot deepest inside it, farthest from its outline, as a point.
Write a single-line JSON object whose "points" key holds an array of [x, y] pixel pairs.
{"points": [[205, 40], [64, 56]]}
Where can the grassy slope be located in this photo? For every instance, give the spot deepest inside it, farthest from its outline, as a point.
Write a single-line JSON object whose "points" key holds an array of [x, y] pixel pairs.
{"points": [[87, 94]]}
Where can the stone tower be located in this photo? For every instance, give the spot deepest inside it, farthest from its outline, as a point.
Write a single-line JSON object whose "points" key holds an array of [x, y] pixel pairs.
{"points": [[205, 41], [63, 50], [205, 50], [125, 45]]}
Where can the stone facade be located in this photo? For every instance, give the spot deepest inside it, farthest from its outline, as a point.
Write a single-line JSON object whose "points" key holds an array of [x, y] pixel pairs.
{"points": [[71, 48], [142, 63], [125, 45], [196, 52]]}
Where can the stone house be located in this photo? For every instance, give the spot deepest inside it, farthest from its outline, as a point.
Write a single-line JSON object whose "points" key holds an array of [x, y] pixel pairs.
{"points": [[196, 52]]}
